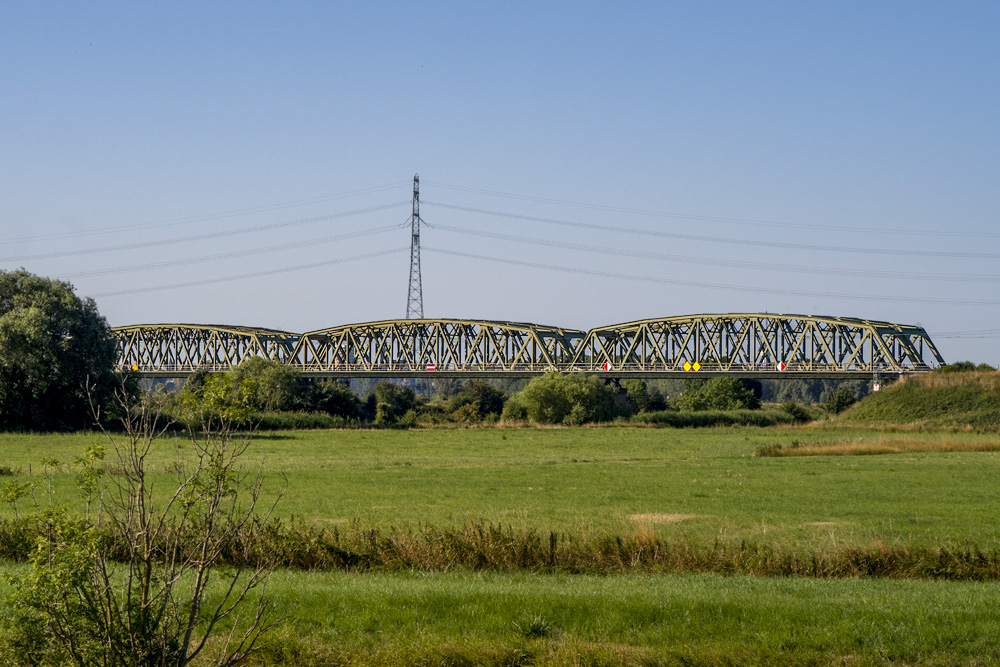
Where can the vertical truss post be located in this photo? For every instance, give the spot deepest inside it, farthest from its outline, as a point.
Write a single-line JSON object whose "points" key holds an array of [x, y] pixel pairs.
{"points": [[415, 296]]}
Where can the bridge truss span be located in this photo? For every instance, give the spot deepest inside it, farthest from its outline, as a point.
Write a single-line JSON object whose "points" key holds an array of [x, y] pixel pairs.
{"points": [[170, 350], [401, 348], [758, 344], [742, 344]]}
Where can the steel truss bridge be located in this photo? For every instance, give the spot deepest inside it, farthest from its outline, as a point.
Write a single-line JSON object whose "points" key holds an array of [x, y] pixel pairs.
{"points": [[761, 345]]}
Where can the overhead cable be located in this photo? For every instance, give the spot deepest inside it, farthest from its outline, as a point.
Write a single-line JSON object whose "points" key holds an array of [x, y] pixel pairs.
{"points": [[201, 237], [230, 255], [717, 286], [201, 218], [242, 276], [724, 240], [712, 218], [687, 259]]}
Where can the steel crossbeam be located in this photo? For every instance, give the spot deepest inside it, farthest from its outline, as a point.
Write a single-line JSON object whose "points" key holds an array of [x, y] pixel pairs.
{"points": [[745, 344]]}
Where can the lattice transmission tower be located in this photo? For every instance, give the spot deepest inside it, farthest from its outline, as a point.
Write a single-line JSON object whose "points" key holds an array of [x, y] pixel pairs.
{"points": [[415, 297]]}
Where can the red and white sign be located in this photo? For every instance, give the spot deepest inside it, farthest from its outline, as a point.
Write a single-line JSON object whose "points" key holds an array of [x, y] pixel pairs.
{"points": [[431, 367], [781, 366], [607, 365]]}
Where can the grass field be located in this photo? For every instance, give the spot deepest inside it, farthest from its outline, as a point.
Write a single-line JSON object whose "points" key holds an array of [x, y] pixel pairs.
{"points": [[701, 486], [695, 484]]}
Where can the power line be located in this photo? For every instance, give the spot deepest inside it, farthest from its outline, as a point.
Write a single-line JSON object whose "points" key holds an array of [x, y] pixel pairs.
{"points": [[230, 255], [201, 218], [712, 218], [728, 241], [982, 333], [686, 259], [200, 237], [243, 276], [732, 288]]}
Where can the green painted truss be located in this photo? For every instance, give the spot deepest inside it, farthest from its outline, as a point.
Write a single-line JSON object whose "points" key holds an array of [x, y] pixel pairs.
{"points": [[747, 344]]}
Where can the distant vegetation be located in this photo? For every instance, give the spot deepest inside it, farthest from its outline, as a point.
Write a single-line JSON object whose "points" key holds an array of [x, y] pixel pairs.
{"points": [[280, 397]]}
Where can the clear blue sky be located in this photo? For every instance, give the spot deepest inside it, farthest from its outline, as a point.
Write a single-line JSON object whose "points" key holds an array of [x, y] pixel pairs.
{"points": [[821, 158]]}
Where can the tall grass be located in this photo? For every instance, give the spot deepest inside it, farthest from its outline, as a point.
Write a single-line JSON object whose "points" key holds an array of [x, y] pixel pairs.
{"points": [[479, 546]]}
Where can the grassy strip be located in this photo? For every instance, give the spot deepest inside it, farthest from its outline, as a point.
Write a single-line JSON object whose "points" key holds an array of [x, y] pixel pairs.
{"points": [[465, 618], [483, 547], [875, 446]]}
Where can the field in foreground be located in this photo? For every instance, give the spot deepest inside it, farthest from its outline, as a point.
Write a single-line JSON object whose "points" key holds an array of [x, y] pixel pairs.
{"points": [[698, 486], [701, 485], [462, 618]]}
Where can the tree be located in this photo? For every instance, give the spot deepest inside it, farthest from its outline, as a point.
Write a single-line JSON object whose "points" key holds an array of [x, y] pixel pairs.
{"points": [[719, 393], [139, 581], [484, 398], [392, 401], [52, 346], [572, 399], [275, 385], [331, 397]]}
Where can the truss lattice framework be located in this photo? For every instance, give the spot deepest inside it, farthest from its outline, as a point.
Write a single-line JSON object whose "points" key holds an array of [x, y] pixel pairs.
{"points": [[735, 344], [183, 348], [442, 345], [759, 342]]}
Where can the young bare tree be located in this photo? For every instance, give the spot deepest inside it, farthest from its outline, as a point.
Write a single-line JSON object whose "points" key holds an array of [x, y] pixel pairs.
{"points": [[154, 577]]}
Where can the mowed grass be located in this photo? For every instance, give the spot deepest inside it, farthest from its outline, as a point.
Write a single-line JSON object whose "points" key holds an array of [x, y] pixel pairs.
{"points": [[464, 618], [701, 485]]}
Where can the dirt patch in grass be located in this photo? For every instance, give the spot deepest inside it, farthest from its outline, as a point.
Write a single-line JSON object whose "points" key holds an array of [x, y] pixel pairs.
{"points": [[662, 518]]}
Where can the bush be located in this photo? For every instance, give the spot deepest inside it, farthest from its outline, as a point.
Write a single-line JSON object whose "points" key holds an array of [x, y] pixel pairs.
{"points": [[796, 411], [514, 410], [839, 400]]}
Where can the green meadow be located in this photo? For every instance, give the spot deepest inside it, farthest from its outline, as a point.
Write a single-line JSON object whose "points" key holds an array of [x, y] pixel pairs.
{"points": [[696, 484]]}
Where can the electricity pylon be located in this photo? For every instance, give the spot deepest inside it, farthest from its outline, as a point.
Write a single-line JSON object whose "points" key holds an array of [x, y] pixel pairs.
{"points": [[415, 296]]}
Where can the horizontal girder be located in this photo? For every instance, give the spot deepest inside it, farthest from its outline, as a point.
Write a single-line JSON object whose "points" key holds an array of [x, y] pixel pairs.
{"points": [[746, 344]]}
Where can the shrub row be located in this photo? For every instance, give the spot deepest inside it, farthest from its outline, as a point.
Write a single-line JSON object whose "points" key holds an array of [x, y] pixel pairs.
{"points": [[708, 418]]}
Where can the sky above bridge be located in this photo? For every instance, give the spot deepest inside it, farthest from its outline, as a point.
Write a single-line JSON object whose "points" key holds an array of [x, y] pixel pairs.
{"points": [[581, 164]]}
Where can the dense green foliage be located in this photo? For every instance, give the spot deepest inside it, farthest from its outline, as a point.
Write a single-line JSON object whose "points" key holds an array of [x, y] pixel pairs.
{"points": [[53, 345], [568, 399]]}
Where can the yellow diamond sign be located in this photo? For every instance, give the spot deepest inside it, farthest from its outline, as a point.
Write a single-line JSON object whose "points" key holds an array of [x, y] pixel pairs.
{"points": [[696, 366], [687, 365]]}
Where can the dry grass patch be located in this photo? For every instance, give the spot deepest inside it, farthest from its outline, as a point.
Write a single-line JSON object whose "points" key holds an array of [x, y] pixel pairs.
{"points": [[876, 446]]}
